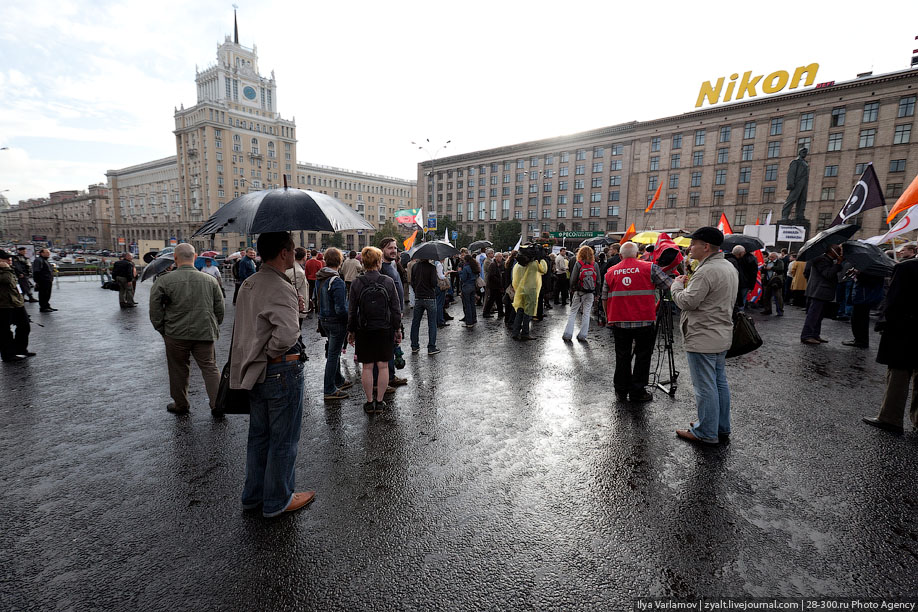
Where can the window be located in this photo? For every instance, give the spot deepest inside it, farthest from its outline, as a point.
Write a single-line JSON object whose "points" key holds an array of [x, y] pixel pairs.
{"points": [[715, 214], [806, 122], [549, 159], [506, 178], [596, 182], [533, 201], [893, 190], [617, 149], [906, 107], [677, 141], [531, 214], [655, 143], [720, 177], [546, 186], [505, 191], [867, 137], [777, 126], [562, 185], [546, 213], [747, 153], [675, 160], [615, 180], [768, 194], [493, 192], [548, 173], [745, 173], [518, 190], [722, 155], [578, 183], [674, 181], [565, 157], [725, 133], [652, 183], [596, 196], [562, 199], [897, 165], [671, 200], [581, 154], [804, 143], [594, 211], [859, 168], [615, 196], [831, 171], [699, 138], [694, 198], [654, 163], [871, 110], [749, 130], [838, 117], [578, 212], [579, 169], [698, 158], [533, 188], [742, 196], [903, 134], [696, 179], [520, 164], [578, 198], [564, 171], [546, 200], [774, 149], [615, 164], [835, 142], [739, 218], [597, 166], [828, 193], [824, 219]]}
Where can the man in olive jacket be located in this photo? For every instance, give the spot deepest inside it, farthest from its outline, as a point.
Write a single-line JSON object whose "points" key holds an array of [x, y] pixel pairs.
{"points": [[707, 301], [186, 307], [12, 314]]}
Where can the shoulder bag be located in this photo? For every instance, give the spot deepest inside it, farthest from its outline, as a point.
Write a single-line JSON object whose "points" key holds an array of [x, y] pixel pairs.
{"points": [[745, 336], [230, 401]]}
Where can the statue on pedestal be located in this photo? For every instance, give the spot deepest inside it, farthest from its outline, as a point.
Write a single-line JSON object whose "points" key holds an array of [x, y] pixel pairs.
{"points": [[798, 176]]}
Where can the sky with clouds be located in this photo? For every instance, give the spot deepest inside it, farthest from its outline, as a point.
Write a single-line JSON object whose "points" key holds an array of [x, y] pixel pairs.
{"points": [[86, 86]]}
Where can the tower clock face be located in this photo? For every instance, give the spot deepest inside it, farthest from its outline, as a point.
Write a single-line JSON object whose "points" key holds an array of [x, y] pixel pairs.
{"points": [[249, 93]]}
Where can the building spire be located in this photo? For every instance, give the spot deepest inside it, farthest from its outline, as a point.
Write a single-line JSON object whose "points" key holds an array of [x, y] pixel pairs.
{"points": [[235, 26]]}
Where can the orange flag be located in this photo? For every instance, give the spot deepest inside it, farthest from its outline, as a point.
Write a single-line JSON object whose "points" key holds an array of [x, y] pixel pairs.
{"points": [[631, 232], [908, 199], [409, 241], [655, 198], [724, 225]]}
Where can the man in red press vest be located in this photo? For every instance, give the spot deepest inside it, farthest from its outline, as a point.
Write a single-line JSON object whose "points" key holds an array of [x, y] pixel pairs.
{"points": [[629, 293]]}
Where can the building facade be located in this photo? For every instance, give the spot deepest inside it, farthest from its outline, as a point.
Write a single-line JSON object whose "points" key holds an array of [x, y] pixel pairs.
{"points": [[65, 218], [146, 202], [730, 159]]}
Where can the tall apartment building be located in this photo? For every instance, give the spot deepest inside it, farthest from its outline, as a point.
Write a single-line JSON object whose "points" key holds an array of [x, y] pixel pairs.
{"points": [[64, 218], [731, 159]]}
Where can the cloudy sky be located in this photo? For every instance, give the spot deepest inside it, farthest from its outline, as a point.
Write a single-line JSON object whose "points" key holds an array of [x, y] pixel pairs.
{"points": [[86, 86]]}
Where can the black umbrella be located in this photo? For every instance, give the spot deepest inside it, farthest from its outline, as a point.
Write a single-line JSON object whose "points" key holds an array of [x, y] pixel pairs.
{"points": [[599, 241], [750, 243], [820, 243], [480, 244], [436, 249], [283, 210], [868, 258], [157, 265]]}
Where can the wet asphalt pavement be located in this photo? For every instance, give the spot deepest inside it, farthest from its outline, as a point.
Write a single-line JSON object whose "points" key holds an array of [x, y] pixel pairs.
{"points": [[505, 477]]}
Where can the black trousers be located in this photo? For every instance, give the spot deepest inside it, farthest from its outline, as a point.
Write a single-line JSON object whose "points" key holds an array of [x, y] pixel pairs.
{"points": [[11, 345], [493, 299], [44, 293], [561, 288], [860, 323], [637, 342]]}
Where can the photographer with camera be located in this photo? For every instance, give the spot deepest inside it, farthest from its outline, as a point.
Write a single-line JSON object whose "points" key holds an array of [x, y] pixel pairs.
{"points": [[629, 293], [532, 263]]}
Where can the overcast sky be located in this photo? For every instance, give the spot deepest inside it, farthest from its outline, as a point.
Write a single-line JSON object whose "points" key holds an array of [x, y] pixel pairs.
{"points": [[89, 86]]}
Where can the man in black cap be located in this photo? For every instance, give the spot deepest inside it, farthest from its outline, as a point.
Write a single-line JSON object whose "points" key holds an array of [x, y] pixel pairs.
{"points": [[12, 313], [707, 301]]}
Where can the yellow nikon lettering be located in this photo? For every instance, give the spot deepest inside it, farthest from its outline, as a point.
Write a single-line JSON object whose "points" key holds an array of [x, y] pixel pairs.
{"points": [[773, 83]]}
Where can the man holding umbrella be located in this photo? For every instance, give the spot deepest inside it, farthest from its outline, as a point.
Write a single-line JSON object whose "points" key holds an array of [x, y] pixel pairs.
{"points": [[822, 279]]}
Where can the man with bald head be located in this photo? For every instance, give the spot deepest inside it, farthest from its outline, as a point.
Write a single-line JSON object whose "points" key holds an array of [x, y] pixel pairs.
{"points": [[186, 307]]}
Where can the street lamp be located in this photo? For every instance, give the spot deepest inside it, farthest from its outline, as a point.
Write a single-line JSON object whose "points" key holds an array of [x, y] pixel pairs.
{"points": [[433, 165]]}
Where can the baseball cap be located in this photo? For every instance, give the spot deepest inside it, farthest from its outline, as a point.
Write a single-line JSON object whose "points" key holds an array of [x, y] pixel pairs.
{"points": [[708, 234]]}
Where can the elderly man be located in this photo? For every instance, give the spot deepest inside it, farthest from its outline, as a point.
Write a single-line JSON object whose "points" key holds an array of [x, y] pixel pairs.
{"points": [[124, 272], [186, 307], [822, 280], [12, 314], [707, 301]]}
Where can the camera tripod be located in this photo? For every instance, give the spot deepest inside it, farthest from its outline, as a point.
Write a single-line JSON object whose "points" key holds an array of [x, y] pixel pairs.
{"points": [[665, 345]]}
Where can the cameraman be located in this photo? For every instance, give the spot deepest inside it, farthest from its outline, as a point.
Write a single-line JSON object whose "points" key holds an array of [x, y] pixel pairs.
{"points": [[527, 284]]}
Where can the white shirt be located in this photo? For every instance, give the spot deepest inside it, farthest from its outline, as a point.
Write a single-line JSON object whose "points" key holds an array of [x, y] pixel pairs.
{"points": [[213, 271]]}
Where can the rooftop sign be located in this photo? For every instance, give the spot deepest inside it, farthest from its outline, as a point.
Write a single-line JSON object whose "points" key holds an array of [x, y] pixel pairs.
{"points": [[773, 83]]}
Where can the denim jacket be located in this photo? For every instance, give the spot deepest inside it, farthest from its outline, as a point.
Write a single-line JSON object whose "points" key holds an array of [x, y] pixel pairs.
{"points": [[332, 296], [466, 275]]}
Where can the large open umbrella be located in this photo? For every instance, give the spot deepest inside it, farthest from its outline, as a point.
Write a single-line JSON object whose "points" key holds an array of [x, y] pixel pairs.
{"points": [[599, 241], [435, 249], [683, 241], [283, 210], [645, 237], [480, 244], [158, 265], [820, 243], [750, 243], [867, 258]]}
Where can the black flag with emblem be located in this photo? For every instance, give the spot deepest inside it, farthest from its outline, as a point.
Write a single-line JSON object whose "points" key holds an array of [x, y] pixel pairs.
{"points": [[865, 195]]}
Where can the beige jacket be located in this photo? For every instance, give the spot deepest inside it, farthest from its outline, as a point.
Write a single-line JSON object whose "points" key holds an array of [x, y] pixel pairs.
{"points": [[707, 305], [267, 325], [349, 270]]}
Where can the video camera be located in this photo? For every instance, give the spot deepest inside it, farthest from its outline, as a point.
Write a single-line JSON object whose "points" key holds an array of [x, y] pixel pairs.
{"points": [[529, 253]]}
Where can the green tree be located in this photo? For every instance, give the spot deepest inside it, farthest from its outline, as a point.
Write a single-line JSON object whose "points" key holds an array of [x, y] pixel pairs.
{"points": [[336, 240], [390, 229], [479, 235], [446, 227], [505, 234]]}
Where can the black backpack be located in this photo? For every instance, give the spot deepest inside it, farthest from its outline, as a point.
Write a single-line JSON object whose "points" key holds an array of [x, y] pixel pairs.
{"points": [[373, 307]]}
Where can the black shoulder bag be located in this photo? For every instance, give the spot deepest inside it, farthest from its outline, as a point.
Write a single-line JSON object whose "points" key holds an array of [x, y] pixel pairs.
{"points": [[230, 401]]}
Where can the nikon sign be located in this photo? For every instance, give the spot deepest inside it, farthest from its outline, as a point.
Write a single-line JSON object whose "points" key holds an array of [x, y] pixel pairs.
{"points": [[772, 83]]}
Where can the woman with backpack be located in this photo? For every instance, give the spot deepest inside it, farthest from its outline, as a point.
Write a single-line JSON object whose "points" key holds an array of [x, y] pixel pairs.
{"points": [[468, 278], [584, 280], [374, 325]]}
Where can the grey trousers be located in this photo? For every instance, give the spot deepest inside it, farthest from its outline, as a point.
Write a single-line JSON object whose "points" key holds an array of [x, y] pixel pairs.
{"points": [[178, 359], [893, 407]]}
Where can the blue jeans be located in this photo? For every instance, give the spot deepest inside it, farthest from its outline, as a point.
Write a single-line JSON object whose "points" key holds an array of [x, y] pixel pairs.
{"points": [[274, 436], [420, 307], [468, 303], [441, 305], [337, 333], [712, 395]]}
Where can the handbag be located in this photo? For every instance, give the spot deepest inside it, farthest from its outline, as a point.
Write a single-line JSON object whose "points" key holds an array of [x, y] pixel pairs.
{"points": [[745, 336], [479, 282], [443, 284], [230, 401]]}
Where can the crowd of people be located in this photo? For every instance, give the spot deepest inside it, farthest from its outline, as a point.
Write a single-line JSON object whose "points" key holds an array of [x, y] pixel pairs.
{"points": [[361, 300]]}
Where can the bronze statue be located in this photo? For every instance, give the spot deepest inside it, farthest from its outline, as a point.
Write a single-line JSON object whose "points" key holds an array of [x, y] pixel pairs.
{"points": [[797, 179]]}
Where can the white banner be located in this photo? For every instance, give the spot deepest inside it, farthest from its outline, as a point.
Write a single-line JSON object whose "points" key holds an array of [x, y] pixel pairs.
{"points": [[906, 224], [791, 233], [765, 233]]}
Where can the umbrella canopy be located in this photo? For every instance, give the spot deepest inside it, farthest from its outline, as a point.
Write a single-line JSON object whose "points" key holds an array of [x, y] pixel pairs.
{"points": [[868, 258], [645, 237], [750, 243], [157, 265], [480, 244], [683, 241], [820, 243], [236, 255], [436, 249], [283, 210], [209, 254], [599, 241]]}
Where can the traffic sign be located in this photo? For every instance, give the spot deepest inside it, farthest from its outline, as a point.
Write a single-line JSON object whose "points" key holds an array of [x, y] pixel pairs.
{"points": [[455, 235], [432, 223]]}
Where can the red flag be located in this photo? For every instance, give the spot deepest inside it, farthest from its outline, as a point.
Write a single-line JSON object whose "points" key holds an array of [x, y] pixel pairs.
{"points": [[666, 253], [631, 232], [656, 196], [724, 225], [756, 220]]}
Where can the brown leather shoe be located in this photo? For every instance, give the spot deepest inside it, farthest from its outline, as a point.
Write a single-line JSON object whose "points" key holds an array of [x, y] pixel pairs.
{"points": [[300, 500], [398, 382], [686, 434], [811, 341]]}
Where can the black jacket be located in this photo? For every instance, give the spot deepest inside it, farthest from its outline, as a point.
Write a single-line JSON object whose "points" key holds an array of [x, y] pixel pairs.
{"points": [[821, 278], [424, 280], [41, 270], [124, 268], [900, 337]]}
